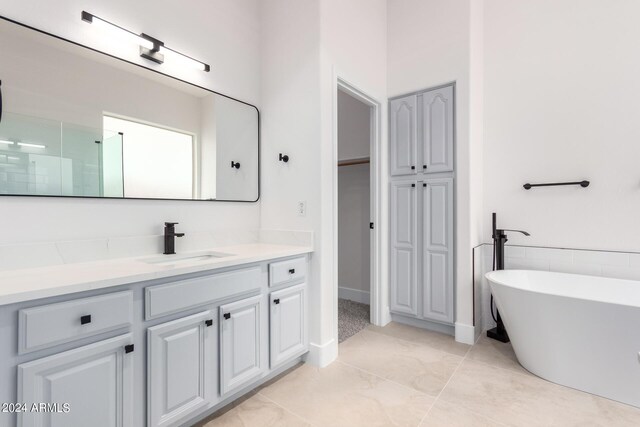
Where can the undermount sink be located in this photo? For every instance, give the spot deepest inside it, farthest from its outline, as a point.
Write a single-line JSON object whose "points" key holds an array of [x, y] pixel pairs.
{"points": [[184, 258]]}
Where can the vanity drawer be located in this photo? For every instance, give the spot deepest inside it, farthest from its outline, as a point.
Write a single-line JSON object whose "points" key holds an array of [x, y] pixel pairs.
{"points": [[178, 296], [53, 324], [288, 271]]}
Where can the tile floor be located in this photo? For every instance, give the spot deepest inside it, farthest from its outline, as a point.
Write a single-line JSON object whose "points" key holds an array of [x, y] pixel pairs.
{"points": [[404, 376]]}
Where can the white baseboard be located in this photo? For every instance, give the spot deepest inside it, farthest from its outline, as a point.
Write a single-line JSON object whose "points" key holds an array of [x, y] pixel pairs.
{"points": [[356, 295], [424, 324], [322, 355], [465, 334]]}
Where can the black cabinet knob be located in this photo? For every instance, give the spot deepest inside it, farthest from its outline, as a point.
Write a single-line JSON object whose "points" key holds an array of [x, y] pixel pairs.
{"points": [[235, 164], [424, 166], [227, 316], [283, 157], [424, 184], [292, 271], [208, 322], [413, 167], [276, 301], [129, 348], [85, 319], [413, 185]]}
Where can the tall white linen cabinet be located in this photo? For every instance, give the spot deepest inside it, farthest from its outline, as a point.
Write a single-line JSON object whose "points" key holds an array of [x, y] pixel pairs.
{"points": [[422, 143]]}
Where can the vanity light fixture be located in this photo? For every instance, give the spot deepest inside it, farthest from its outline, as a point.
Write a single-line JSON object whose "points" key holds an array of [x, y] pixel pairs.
{"points": [[29, 145], [2, 141], [116, 31], [150, 47]]}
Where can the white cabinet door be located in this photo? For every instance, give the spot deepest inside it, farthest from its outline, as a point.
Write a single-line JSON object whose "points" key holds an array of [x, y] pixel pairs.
{"points": [[404, 234], [437, 275], [95, 380], [288, 320], [181, 368], [437, 130], [240, 360], [402, 133]]}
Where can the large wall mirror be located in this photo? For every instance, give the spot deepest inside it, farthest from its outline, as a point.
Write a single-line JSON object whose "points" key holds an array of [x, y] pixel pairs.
{"points": [[79, 123]]}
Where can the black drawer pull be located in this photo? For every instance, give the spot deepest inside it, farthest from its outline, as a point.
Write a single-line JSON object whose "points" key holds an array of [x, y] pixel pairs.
{"points": [[413, 167], [85, 319], [424, 166], [292, 271], [227, 316], [208, 322], [128, 348], [276, 301]]}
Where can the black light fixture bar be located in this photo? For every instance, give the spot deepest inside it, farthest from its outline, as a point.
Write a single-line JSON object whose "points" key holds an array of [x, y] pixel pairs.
{"points": [[583, 184], [151, 48]]}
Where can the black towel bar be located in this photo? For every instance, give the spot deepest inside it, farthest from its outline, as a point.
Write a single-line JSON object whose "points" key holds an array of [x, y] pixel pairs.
{"points": [[583, 184]]}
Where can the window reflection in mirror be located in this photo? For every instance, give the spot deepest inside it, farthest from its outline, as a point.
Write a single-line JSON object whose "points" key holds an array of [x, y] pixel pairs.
{"points": [[154, 162]]}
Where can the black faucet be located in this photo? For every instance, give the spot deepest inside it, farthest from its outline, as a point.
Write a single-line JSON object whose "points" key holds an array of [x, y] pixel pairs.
{"points": [[499, 239], [169, 238]]}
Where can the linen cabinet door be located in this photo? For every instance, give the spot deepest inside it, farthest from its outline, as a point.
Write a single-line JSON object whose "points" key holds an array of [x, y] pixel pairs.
{"points": [[95, 380], [240, 326], [403, 133], [182, 368], [437, 127], [404, 235], [288, 324], [437, 274]]}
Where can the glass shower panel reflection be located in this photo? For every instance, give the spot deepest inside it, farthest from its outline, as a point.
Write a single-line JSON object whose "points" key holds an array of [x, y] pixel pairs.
{"points": [[80, 157], [112, 167], [30, 161]]}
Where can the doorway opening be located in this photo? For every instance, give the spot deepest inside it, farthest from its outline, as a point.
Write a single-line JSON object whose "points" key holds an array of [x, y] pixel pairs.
{"points": [[356, 199]]}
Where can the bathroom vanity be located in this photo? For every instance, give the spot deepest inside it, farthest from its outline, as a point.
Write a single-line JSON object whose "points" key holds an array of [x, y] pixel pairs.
{"points": [[156, 341]]}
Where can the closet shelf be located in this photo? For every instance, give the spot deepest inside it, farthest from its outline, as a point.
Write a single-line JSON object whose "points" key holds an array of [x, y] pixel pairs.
{"points": [[350, 162]]}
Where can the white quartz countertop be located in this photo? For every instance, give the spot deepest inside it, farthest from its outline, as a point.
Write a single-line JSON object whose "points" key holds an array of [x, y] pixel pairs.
{"points": [[43, 282]]}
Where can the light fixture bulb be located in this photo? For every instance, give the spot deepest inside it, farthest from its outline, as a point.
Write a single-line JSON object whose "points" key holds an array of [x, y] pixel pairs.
{"points": [[29, 145], [119, 32], [173, 56]]}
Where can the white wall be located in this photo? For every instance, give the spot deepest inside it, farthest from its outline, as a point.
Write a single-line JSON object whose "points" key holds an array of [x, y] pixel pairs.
{"points": [[306, 43], [353, 48], [224, 34], [354, 133], [354, 251], [429, 43], [561, 104], [290, 111]]}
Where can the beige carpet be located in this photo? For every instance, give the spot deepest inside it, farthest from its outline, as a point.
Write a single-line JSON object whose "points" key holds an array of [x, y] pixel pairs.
{"points": [[352, 318]]}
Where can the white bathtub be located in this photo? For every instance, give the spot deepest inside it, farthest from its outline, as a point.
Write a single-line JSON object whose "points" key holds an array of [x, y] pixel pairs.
{"points": [[579, 331]]}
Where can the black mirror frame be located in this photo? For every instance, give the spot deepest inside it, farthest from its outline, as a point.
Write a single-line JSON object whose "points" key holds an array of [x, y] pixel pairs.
{"points": [[4, 18]]}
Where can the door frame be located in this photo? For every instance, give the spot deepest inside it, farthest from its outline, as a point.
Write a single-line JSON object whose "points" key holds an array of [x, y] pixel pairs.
{"points": [[377, 317]]}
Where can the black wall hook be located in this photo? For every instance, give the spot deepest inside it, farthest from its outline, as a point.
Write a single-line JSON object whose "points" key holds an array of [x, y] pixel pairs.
{"points": [[235, 164], [283, 158]]}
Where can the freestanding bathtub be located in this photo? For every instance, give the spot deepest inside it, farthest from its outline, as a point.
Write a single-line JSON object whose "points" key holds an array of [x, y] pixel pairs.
{"points": [[579, 331]]}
